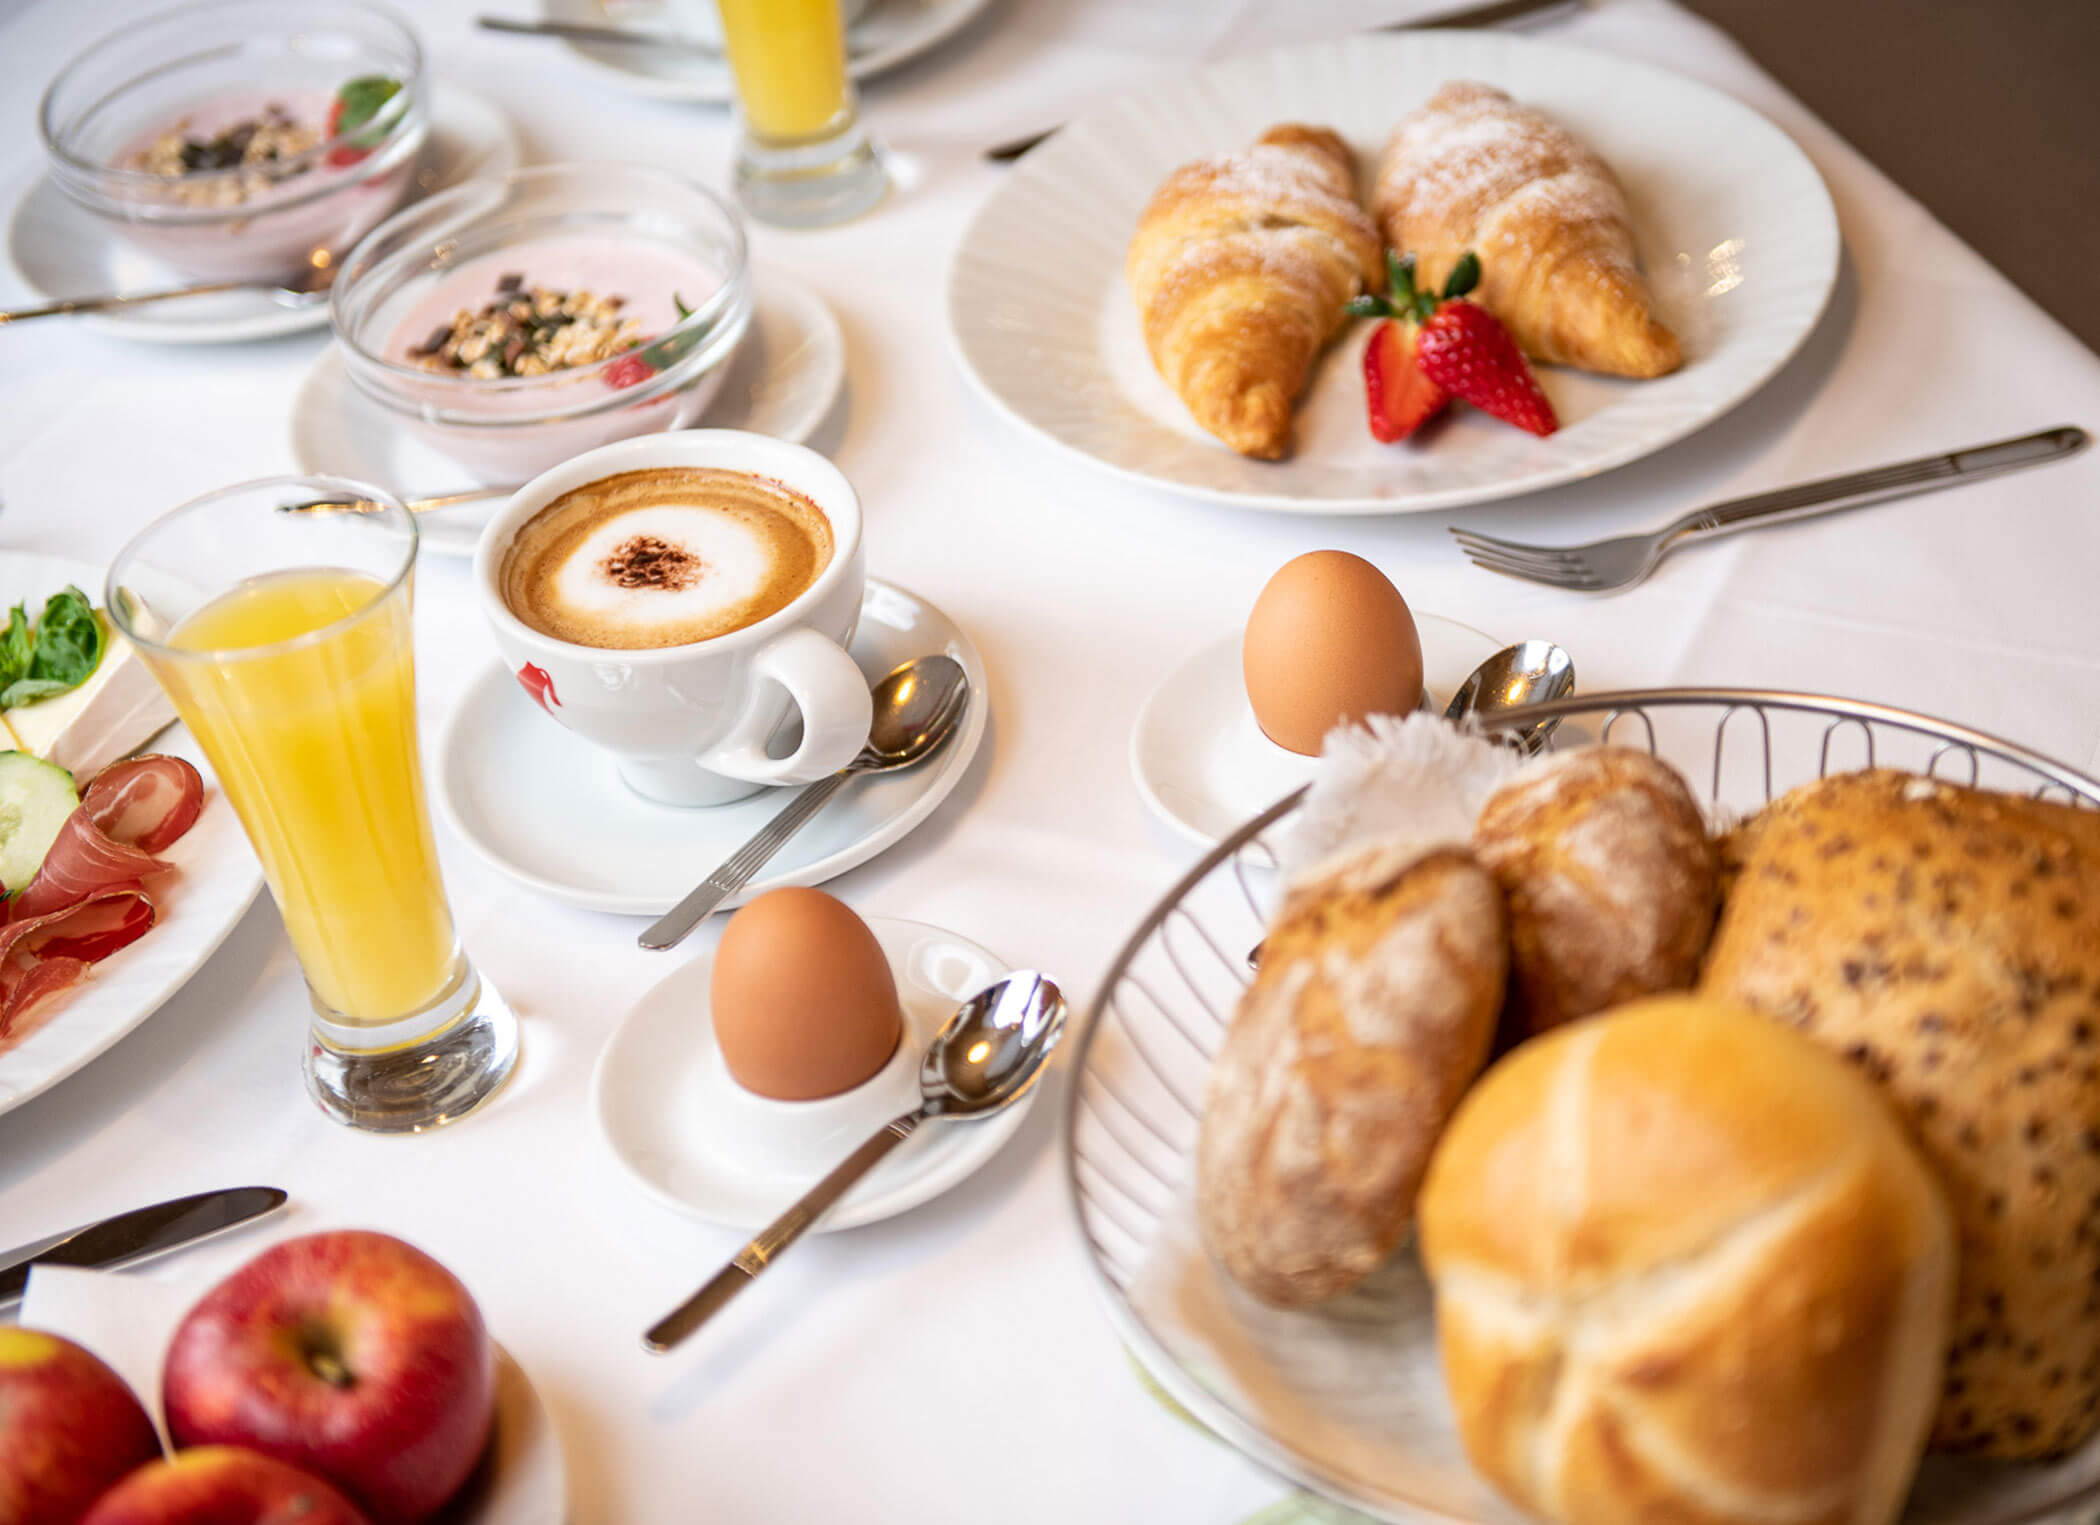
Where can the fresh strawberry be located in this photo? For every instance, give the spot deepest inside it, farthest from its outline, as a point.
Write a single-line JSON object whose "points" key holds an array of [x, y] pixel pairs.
{"points": [[1399, 398], [1465, 350], [630, 370]]}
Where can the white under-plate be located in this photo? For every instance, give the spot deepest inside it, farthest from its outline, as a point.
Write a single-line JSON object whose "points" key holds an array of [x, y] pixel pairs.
{"points": [[547, 808], [784, 377], [128, 1320], [889, 33], [1734, 225], [215, 880], [652, 1079], [1203, 766], [61, 250]]}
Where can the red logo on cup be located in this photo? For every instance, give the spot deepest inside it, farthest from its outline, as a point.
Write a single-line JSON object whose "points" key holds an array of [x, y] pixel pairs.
{"points": [[535, 681]]}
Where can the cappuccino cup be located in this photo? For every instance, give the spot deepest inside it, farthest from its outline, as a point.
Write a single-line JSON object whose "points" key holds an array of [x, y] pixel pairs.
{"points": [[673, 599]]}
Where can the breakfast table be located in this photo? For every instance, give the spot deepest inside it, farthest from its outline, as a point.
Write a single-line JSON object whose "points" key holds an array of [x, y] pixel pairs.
{"points": [[950, 1363]]}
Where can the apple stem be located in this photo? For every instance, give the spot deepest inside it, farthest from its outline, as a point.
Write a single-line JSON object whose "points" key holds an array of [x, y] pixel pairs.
{"points": [[329, 1368]]}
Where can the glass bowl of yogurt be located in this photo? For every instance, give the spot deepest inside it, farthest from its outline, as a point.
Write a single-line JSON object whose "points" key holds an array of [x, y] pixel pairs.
{"points": [[243, 139], [514, 322]]}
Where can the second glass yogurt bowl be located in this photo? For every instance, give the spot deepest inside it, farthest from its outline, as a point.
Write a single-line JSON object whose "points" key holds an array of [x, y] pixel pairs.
{"points": [[636, 283]]}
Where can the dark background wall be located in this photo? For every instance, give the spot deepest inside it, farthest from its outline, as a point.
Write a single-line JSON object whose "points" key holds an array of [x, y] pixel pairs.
{"points": [[1988, 111]]}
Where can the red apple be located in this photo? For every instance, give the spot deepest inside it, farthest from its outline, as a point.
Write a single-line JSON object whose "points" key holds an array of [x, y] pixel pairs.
{"points": [[351, 1355], [222, 1485], [69, 1427]]}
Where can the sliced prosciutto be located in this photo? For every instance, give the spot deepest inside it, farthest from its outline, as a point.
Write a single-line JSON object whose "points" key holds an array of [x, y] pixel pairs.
{"points": [[89, 898]]}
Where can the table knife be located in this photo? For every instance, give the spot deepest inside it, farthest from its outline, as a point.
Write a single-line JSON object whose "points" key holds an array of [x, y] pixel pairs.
{"points": [[140, 1234], [1472, 16]]}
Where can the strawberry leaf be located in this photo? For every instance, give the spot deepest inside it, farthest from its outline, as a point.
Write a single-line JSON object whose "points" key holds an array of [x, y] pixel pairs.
{"points": [[1465, 275]]}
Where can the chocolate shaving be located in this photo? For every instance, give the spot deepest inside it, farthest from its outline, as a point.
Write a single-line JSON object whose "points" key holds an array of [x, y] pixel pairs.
{"points": [[514, 281], [647, 562]]}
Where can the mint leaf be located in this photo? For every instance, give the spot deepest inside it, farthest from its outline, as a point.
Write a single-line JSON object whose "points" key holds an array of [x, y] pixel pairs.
{"points": [[665, 353], [357, 103], [68, 645]]}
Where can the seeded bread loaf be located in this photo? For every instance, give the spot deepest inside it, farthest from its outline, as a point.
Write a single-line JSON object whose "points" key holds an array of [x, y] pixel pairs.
{"points": [[1373, 1010], [1947, 942], [1609, 877], [1688, 1269]]}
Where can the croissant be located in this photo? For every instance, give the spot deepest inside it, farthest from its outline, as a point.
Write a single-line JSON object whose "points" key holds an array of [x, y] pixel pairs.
{"points": [[1475, 170], [1241, 267]]}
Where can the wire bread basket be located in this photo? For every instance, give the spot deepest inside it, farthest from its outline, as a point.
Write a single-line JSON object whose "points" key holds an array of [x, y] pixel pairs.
{"points": [[1348, 1400]]}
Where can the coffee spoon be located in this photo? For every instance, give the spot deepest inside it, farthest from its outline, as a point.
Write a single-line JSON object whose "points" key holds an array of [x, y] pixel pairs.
{"points": [[916, 710], [308, 289], [1528, 673], [413, 505], [982, 1061]]}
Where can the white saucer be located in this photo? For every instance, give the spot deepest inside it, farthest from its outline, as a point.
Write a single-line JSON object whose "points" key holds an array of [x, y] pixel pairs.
{"points": [[891, 32], [60, 250], [1203, 766], [784, 377], [548, 809], [663, 1058]]}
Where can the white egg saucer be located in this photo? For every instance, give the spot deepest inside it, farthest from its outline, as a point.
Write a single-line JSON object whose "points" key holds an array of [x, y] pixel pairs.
{"points": [[783, 379], [543, 806], [698, 1143], [63, 250], [1203, 766]]}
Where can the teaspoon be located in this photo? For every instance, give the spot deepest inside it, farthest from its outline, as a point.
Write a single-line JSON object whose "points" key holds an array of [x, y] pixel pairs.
{"points": [[1528, 673], [308, 289], [916, 710], [985, 1059]]}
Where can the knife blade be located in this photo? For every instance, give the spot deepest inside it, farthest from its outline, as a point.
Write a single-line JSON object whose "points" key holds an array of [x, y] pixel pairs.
{"points": [[1471, 17], [140, 1234]]}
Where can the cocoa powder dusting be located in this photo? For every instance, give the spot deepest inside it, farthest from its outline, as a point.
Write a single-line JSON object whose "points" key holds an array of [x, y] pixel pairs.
{"points": [[647, 562]]}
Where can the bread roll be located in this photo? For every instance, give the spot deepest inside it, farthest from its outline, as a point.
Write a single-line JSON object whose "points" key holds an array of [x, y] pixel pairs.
{"points": [[1609, 877], [1372, 1012], [1947, 942], [1687, 1269]]}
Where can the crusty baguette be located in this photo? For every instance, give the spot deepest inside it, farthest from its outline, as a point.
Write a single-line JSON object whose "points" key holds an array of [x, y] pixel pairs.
{"points": [[1473, 170], [1688, 1268], [1241, 268], [1373, 1010], [1947, 942]]}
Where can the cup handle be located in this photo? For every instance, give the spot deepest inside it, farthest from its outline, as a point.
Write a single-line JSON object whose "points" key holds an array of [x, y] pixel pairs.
{"points": [[829, 690]]}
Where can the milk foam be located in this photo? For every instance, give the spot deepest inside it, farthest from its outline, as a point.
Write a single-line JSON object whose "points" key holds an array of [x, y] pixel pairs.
{"points": [[726, 565]]}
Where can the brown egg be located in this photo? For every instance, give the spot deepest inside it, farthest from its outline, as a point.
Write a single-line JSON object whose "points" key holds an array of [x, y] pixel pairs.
{"points": [[804, 1002], [1330, 640]]}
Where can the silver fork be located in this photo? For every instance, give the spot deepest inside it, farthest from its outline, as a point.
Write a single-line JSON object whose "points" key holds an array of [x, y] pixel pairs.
{"points": [[1603, 565]]}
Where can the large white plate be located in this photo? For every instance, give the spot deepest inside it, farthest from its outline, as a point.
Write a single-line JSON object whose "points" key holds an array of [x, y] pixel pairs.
{"points": [[783, 379], [542, 805], [216, 879], [891, 32], [1735, 227], [60, 250]]}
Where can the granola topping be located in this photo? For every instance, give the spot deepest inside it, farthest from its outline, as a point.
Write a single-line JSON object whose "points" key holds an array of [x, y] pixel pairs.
{"points": [[269, 149], [529, 331], [644, 561]]}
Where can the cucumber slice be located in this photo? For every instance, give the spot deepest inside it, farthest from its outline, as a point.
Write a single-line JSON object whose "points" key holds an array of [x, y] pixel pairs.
{"points": [[35, 799]]}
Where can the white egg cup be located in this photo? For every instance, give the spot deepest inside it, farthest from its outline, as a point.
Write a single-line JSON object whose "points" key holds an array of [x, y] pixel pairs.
{"points": [[803, 1139]]}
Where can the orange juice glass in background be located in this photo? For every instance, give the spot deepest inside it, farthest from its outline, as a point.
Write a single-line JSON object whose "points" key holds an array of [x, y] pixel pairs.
{"points": [[803, 157], [285, 642]]}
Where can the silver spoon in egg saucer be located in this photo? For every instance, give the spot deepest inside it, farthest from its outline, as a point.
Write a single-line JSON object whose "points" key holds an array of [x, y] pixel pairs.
{"points": [[984, 1059]]}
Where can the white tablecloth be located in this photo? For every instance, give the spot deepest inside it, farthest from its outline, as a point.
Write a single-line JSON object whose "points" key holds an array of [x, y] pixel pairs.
{"points": [[951, 1365]]}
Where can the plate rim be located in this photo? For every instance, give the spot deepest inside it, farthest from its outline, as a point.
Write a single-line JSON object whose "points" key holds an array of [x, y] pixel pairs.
{"points": [[989, 1135], [1828, 231], [962, 753]]}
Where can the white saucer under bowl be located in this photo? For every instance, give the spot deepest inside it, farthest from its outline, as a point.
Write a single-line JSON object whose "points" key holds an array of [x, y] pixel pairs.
{"points": [[653, 1077], [784, 377], [548, 809], [61, 250], [1203, 766]]}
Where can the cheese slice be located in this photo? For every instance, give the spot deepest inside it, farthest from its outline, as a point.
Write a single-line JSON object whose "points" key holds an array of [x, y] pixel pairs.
{"points": [[118, 710]]}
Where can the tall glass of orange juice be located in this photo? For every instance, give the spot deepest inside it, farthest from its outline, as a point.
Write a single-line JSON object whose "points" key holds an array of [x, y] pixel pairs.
{"points": [[803, 157], [284, 640]]}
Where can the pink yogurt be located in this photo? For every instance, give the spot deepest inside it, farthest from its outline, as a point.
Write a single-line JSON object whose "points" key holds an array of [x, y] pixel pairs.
{"points": [[648, 275], [272, 235]]}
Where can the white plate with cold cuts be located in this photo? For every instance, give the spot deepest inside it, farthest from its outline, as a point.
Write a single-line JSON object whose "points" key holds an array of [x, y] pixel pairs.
{"points": [[547, 808], [1734, 226], [667, 1107], [62, 250], [1204, 767], [216, 879], [783, 379], [886, 34]]}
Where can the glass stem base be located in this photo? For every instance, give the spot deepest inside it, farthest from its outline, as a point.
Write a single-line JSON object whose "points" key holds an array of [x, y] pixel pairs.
{"points": [[810, 185], [422, 1072]]}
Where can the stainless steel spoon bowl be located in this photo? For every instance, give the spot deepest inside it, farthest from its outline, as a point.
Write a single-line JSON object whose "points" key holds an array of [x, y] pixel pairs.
{"points": [[1530, 672], [986, 1058]]}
